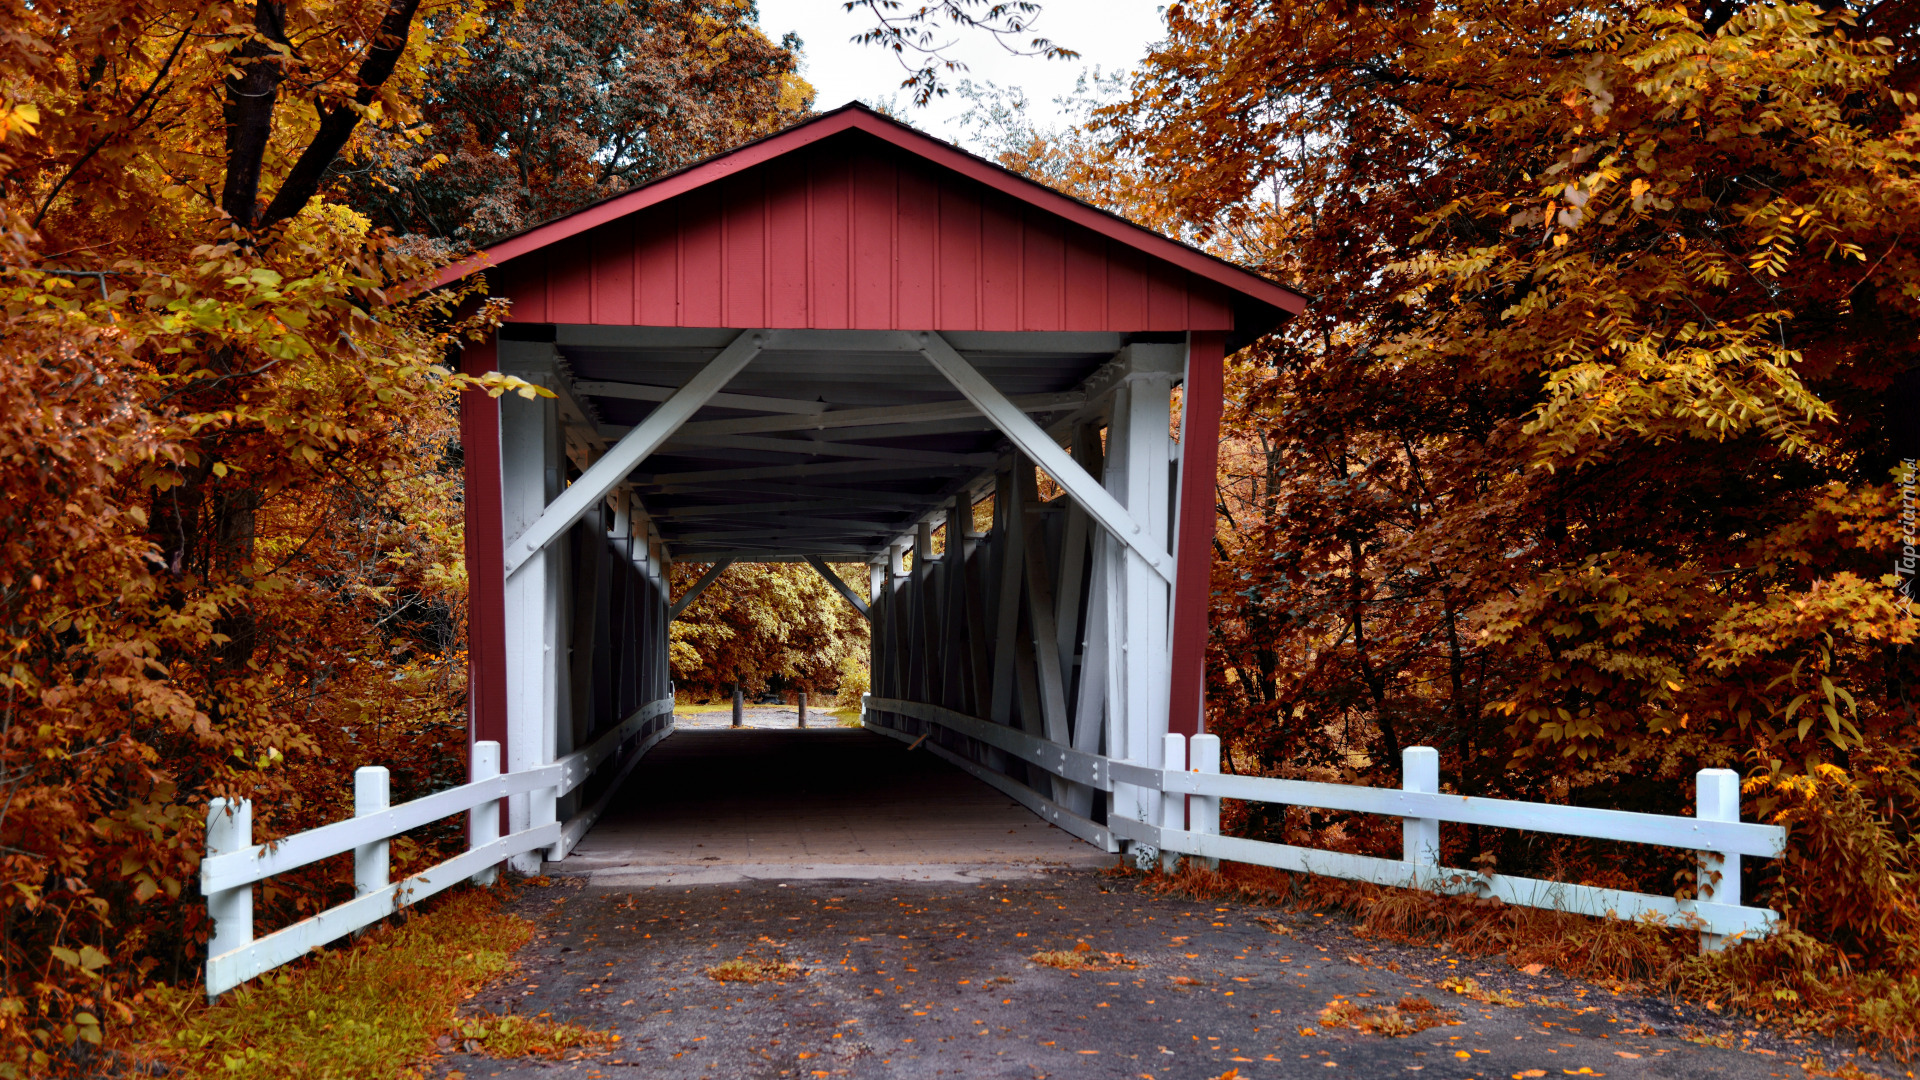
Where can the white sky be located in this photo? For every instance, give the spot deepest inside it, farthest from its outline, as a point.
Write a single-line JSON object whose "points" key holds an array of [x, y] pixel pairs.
{"points": [[1110, 34]]}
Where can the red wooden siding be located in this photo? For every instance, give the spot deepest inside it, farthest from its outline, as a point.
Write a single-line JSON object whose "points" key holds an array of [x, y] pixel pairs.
{"points": [[854, 234]]}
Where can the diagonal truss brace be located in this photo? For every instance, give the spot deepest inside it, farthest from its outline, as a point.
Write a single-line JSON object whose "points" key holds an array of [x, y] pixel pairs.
{"points": [[693, 592], [820, 567], [619, 460], [1036, 444]]}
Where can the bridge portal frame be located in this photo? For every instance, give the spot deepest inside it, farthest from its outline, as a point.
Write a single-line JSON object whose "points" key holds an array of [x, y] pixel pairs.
{"points": [[828, 346]]}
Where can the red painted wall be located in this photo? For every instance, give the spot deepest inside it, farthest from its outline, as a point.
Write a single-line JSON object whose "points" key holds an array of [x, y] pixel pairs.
{"points": [[852, 233]]}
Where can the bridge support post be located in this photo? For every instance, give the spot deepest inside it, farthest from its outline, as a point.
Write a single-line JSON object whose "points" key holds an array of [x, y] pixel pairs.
{"points": [[532, 468]]}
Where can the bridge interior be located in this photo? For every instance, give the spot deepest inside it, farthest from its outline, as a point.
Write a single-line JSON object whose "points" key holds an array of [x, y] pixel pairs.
{"points": [[709, 807]]}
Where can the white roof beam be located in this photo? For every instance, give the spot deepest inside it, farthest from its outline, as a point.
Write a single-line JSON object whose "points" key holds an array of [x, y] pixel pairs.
{"points": [[1045, 452], [620, 460]]}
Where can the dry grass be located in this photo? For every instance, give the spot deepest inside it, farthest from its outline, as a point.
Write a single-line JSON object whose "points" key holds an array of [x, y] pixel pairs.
{"points": [[380, 1008], [748, 969], [1082, 957]]}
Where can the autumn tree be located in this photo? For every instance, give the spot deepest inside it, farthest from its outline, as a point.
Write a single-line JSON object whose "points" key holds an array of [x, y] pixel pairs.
{"points": [[1585, 464], [553, 106], [767, 625]]}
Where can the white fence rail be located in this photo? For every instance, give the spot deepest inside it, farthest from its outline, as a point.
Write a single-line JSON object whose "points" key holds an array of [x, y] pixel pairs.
{"points": [[234, 863], [1189, 824]]}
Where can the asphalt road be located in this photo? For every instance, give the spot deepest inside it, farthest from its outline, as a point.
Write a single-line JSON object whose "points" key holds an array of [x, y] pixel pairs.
{"points": [[918, 980]]}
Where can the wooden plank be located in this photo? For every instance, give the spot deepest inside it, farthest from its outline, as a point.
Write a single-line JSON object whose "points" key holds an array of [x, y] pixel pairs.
{"points": [[1526, 892], [865, 470], [744, 274], [1693, 834], [656, 262], [613, 300], [1007, 561], [873, 237], [1043, 272], [230, 969], [819, 418], [702, 260], [959, 265], [916, 270], [822, 448], [646, 392], [787, 252], [829, 243]]}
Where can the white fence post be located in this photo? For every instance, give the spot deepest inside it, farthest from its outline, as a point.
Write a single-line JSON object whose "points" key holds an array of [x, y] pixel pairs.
{"points": [[371, 791], [483, 821], [1205, 754], [1420, 837], [1173, 804], [863, 708], [229, 829], [1717, 798]]}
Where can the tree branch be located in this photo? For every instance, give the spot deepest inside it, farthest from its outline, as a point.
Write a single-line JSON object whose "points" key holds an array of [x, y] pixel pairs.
{"points": [[251, 94], [337, 123]]}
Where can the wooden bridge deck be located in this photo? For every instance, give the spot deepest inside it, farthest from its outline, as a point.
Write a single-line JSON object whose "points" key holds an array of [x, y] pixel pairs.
{"points": [[708, 807]]}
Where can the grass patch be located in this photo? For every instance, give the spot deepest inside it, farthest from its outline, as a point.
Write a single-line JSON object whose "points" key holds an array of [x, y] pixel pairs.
{"points": [[379, 1008], [748, 970]]}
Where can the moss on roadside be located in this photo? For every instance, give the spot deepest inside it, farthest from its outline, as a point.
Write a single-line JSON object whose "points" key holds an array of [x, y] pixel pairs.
{"points": [[379, 1008]]}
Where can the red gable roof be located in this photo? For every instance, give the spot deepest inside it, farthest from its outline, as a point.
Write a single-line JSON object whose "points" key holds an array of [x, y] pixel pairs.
{"points": [[854, 221]]}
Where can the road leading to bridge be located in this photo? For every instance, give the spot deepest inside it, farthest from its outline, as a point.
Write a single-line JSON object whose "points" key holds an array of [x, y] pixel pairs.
{"points": [[909, 981], [805, 846]]}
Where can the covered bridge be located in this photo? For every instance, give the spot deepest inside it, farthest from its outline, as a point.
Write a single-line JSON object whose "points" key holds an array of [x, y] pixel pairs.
{"points": [[826, 346]]}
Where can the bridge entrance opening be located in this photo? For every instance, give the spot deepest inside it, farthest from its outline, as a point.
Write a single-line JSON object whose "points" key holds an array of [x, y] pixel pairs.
{"points": [[850, 343]]}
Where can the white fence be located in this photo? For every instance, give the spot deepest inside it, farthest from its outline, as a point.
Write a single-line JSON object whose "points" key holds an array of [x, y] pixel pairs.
{"points": [[1715, 831], [234, 863]]}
